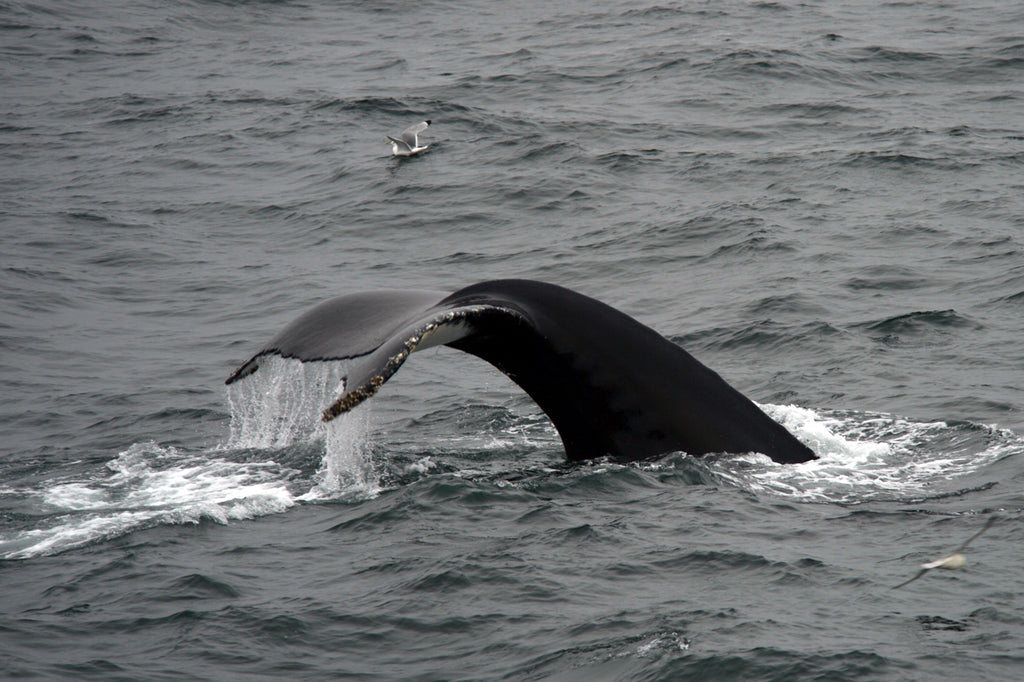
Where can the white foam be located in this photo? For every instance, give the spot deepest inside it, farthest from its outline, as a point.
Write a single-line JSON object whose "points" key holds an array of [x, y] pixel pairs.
{"points": [[421, 466], [148, 484], [869, 457], [861, 457], [670, 642]]}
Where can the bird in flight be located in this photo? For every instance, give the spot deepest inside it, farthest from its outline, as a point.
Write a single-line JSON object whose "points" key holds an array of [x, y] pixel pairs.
{"points": [[954, 560]]}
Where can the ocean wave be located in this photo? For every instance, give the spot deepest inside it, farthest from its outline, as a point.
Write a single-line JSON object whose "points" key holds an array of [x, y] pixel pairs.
{"points": [[279, 453]]}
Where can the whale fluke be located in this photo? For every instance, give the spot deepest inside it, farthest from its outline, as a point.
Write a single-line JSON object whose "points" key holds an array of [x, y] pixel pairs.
{"points": [[610, 385]]}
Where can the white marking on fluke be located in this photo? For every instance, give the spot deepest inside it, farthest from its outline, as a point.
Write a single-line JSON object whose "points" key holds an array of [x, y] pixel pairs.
{"points": [[951, 562], [449, 327], [409, 144]]}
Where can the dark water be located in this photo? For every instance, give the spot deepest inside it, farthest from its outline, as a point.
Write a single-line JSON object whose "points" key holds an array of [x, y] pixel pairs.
{"points": [[823, 201]]}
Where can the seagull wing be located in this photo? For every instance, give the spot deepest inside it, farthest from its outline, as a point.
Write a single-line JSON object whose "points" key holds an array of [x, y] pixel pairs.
{"points": [[411, 134], [401, 143], [957, 554], [988, 524], [907, 582]]}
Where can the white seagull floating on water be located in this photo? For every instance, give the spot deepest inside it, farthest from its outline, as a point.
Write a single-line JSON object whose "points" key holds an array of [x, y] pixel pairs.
{"points": [[410, 142]]}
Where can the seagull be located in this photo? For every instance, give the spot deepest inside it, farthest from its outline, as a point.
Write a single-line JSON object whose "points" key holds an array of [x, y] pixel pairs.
{"points": [[954, 560], [410, 143]]}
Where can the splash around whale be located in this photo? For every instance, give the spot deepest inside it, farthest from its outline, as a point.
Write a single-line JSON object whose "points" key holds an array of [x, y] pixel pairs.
{"points": [[610, 385]]}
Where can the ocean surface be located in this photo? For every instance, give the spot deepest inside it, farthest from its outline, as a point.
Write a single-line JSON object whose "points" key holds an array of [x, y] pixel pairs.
{"points": [[823, 201]]}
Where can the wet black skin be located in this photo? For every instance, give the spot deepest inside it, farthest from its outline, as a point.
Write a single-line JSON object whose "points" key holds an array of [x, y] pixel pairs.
{"points": [[611, 385]]}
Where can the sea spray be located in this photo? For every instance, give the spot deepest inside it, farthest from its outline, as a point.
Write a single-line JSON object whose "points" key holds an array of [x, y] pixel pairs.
{"points": [[347, 468], [144, 486], [275, 415], [282, 403], [869, 457]]}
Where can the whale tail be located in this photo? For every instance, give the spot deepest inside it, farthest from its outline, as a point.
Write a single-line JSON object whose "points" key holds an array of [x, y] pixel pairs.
{"points": [[610, 385]]}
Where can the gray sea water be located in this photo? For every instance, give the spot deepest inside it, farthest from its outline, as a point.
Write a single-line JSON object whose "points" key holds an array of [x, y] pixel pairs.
{"points": [[823, 201]]}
